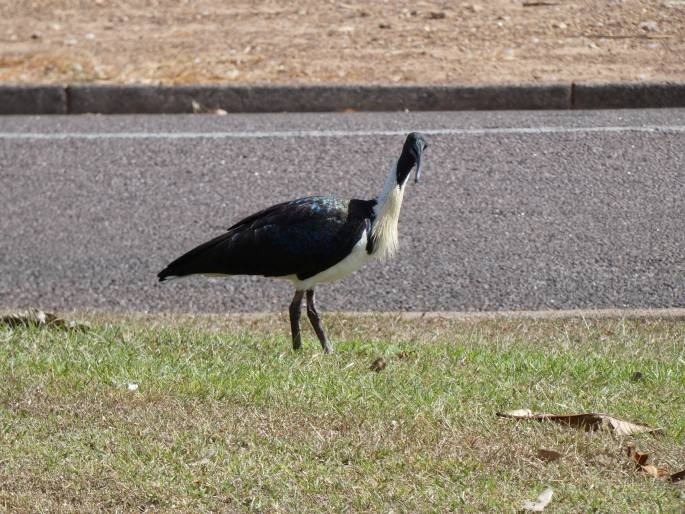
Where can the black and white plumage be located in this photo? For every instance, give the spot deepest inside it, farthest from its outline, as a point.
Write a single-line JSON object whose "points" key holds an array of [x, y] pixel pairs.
{"points": [[309, 241]]}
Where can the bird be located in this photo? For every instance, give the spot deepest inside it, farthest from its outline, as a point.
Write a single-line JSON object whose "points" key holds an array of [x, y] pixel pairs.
{"points": [[309, 241]]}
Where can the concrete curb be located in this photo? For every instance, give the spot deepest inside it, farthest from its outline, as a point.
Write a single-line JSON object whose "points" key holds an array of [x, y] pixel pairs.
{"points": [[142, 99], [244, 99], [636, 95], [33, 100]]}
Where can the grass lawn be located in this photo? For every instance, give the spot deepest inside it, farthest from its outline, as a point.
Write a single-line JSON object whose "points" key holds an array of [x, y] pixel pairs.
{"points": [[227, 418]]}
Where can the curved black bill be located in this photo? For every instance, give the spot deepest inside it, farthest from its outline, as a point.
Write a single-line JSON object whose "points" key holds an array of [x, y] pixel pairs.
{"points": [[418, 150]]}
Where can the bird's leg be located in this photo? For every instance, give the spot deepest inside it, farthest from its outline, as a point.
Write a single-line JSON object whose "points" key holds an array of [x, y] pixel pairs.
{"points": [[315, 320], [295, 309]]}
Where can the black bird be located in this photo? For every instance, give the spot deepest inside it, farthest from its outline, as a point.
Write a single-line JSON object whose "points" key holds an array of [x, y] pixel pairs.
{"points": [[309, 241]]}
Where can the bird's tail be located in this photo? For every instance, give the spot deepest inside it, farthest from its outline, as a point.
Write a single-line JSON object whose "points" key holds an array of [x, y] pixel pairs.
{"points": [[204, 259], [166, 274], [170, 272]]}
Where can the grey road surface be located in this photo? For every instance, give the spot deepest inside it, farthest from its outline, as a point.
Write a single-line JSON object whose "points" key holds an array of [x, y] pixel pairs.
{"points": [[516, 210]]}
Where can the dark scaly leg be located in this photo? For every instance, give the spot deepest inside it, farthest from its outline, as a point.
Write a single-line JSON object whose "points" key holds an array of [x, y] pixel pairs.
{"points": [[295, 309], [315, 320]]}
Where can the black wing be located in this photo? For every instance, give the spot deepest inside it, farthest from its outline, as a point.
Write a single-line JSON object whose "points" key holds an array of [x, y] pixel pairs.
{"points": [[302, 237]]}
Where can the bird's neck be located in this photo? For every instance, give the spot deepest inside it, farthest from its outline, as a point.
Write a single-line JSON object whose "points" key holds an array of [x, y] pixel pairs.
{"points": [[387, 215]]}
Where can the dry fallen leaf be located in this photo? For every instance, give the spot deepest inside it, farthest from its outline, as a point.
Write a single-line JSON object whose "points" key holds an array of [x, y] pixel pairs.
{"points": [[621, 427], [541, 502], [39, 318], [677, 477], [588, 421], [640, 461], [518, 413], [654, 471], [638, 457], [378, 364], [29, 317]]}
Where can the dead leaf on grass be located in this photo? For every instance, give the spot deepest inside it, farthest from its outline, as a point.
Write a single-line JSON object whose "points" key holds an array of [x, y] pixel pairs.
{"points": [[378, 364], [639, 458], [677, 477], [549, 455], [653, 471], [640, 461], [36, 317], [518, 413], [588, 420], [541, 502]]}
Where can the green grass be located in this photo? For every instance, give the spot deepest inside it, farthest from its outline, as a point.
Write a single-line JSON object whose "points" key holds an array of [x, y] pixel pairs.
{"points": [[227, 418]]}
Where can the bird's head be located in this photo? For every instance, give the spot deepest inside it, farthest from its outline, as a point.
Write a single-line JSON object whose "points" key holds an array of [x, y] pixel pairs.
{"points": [[414, 146]]}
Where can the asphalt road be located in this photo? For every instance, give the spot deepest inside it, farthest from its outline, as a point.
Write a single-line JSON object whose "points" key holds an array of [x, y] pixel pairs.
{"points": [[516, 210]]}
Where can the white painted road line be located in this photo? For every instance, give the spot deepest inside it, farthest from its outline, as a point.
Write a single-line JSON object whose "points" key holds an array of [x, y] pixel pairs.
{"points": [[56, 136]]}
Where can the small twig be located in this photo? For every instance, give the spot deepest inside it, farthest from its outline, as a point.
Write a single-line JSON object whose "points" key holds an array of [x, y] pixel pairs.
{"points": [[540, 3]]}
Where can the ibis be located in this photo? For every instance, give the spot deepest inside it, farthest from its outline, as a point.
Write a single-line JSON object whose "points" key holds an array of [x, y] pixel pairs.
{"points": [[309, 241]]}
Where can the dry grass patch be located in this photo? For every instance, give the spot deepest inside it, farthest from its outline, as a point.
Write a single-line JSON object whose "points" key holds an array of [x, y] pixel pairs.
{"points": [[227, 418]]}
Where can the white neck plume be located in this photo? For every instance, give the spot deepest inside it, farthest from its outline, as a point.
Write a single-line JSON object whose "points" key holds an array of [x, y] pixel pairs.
{"points": [[387, 211]]}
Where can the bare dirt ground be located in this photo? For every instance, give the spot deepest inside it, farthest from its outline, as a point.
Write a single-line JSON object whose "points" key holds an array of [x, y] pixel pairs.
{"points": [[350, 41]]}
